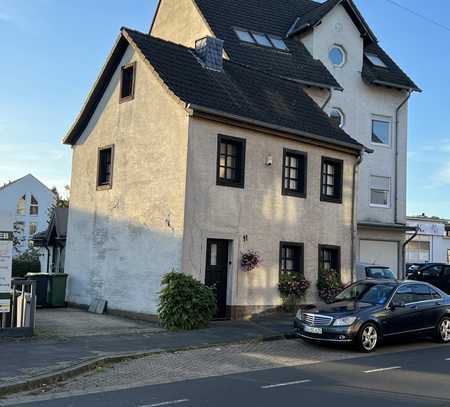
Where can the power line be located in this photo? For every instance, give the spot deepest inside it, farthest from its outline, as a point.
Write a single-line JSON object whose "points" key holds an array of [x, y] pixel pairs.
{"points": [[429, 20]]}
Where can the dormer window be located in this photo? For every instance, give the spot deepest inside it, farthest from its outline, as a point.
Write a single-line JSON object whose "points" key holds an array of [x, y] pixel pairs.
{"points": [[375, 60], [264, 40], [337, 55]]}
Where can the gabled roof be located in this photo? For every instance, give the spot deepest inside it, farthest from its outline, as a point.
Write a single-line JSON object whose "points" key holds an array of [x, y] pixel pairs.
{"points": [[237, 93], [21, 179], [270, 17], [313, 17]]}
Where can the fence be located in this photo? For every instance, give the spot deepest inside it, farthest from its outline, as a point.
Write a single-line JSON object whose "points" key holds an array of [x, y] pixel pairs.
{"points": [[20, 321]]}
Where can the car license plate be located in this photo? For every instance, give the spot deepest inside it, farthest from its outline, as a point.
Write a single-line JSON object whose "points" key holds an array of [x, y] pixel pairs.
{"points": [[313, 330]]}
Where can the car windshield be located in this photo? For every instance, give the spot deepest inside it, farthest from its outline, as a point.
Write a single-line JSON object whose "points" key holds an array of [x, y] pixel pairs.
{"points": [[376, 294], [380, 273]]}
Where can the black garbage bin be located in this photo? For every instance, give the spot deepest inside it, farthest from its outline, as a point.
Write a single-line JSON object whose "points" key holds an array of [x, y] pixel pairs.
{"points": [[42, 281]]}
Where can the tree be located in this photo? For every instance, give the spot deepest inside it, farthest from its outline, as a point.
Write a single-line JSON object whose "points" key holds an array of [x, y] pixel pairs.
{"points": [[61, 202]]}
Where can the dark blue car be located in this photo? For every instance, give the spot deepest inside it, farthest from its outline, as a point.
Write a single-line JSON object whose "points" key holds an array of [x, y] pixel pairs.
{"points": [[369, 311]]}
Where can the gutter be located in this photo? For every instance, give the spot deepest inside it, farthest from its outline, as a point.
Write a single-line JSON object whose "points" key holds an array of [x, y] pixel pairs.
{"points": [[192, 108], [416, 231], [397, 112]]}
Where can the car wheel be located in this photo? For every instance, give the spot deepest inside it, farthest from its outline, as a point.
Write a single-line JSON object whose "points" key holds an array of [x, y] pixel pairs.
{"points": [[368, 337], [443, 330]]}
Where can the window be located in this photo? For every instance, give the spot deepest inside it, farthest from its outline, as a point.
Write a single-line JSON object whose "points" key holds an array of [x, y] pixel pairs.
{"points": [[432, 272], [421, 292], [278, 43], [447, 231], [33, 228], [105, 167], [404, 295], [127, 82], [331, 180], [21, 205], [291, 257], [34, 207], [330, 259], [264, 40], [418, 251], [381, 132], [337, 55], [380, 191], [448, 256], [375, 60], [230, 161], [337, 117], [245, 36], [294, 173]]}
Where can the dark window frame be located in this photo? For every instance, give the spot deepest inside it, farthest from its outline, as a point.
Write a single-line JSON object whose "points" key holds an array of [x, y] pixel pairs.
{"points": [[339, 176], [129, 97], [296, 245], [304, 157], [240, 168], [102, 187], [330, 247]]}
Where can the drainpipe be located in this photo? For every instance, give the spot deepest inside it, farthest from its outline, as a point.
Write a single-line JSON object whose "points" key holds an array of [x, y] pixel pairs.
{"points": [[355, 209], [330, 93], [416, 231], [397, 112]]}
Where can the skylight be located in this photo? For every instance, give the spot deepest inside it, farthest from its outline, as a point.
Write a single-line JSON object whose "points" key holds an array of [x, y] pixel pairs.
{"points": [[375, 60], [269, 41]]}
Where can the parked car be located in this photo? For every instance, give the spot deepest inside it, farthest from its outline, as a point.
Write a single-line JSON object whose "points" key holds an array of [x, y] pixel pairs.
{"points": [[366, 271], [367, 312], [410, 267], [437, 274]]}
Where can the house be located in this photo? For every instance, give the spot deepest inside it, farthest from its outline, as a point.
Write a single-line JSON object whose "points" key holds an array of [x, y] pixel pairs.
{"points": [[211, 136], [432, 243], [30, 201], [330, 49], [53, 240]]}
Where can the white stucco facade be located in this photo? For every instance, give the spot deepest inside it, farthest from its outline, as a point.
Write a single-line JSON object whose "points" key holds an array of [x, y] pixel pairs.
{"points": [[31, 214], [361, 103]]}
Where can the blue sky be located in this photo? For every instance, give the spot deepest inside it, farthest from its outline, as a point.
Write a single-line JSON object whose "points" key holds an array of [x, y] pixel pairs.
{"points": [[52, 51]]}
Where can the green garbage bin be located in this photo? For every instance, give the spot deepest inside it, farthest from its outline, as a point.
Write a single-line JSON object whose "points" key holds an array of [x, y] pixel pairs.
{"points": [[56, 296]]}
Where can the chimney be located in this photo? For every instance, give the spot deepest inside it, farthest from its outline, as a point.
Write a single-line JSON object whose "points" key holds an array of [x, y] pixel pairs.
{"points": [[210, 51]]}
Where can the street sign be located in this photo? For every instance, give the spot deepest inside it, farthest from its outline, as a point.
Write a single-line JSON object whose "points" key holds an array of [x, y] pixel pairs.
{"points": [[6, 246]]}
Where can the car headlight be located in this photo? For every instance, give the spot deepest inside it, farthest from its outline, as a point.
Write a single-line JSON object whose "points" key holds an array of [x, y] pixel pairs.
{"points": [[299, 314], [346, 321]]}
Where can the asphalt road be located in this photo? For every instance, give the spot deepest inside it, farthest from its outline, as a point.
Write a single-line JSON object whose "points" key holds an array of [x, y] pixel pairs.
{"points": [[412, 378]]}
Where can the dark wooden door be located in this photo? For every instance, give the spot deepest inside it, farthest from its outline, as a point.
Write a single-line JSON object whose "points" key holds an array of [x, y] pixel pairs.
{"points": [[217, 272]]}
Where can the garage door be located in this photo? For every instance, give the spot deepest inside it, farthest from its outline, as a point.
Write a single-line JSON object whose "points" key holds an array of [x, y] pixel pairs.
{"points": [[379, 253]]}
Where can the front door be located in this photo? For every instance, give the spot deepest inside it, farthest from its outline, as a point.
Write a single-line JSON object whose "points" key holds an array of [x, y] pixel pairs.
{"points": [[217, 272]]}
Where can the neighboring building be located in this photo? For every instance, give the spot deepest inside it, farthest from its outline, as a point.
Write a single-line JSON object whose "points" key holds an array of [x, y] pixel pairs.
{"points": [[432, 243], [53, 240], [200, 158], [30, 200]]}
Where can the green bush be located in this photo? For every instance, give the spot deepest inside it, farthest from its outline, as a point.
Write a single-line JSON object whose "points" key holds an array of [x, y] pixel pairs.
{"points": [[28, 262], [329, 285], [185, 303]]}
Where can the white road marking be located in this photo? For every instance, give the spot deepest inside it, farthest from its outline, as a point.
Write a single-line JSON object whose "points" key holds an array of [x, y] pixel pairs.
{"points": [[271, 386], [384, 369], [167, 403]]}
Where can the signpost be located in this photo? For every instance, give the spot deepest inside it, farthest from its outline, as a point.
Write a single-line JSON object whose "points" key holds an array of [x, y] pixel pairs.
{"points": [[6, 246]]}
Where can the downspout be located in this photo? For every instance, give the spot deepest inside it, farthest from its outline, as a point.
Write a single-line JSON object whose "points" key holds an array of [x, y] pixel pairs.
{"points": [[397, 122], [48, 258], [354, 211], [416, 231]]}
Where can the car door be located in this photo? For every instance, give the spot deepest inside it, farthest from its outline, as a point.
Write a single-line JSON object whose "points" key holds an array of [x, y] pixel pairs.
{"points": [[430, 275], [404, 318], [444, 283], [427, 306]]}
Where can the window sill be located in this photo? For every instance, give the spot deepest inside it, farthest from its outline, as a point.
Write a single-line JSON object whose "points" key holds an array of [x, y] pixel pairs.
{"points": [[230, 184], [104, 187], [330, 199], [294, 194], [379, 206], [381, 144]]}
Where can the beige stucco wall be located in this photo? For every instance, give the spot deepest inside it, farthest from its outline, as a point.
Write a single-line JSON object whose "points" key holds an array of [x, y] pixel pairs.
{"points": [[181, 22], [260, 211], [360, 103], [121, 241]]}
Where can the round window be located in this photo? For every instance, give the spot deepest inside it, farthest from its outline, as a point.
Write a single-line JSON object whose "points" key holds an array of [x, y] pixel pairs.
{"points": [[337, 117], [337, 55]]}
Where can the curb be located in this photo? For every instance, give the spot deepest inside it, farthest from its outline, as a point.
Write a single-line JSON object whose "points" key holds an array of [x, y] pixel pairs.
{"points": [[84, 367]]}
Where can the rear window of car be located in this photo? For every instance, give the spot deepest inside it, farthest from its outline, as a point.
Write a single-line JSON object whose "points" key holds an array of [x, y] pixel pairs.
{"points": [[379, 273]]}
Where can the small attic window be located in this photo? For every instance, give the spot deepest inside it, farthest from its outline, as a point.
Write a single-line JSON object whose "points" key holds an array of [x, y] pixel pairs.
{"points": [[127, 81], [278, 43], [262, 39], [245, 36], [375, 60]]}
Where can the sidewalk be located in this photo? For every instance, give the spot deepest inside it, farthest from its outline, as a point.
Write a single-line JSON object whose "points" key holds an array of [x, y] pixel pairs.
{"points": [[29, 362]]}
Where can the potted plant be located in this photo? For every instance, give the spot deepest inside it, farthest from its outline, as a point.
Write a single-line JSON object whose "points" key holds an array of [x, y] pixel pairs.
{"points": [[250, 260], [329, 285], [293, 287]]}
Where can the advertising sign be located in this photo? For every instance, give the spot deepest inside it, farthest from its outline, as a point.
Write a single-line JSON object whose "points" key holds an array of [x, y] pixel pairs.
{"points": [[6, 246]]}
